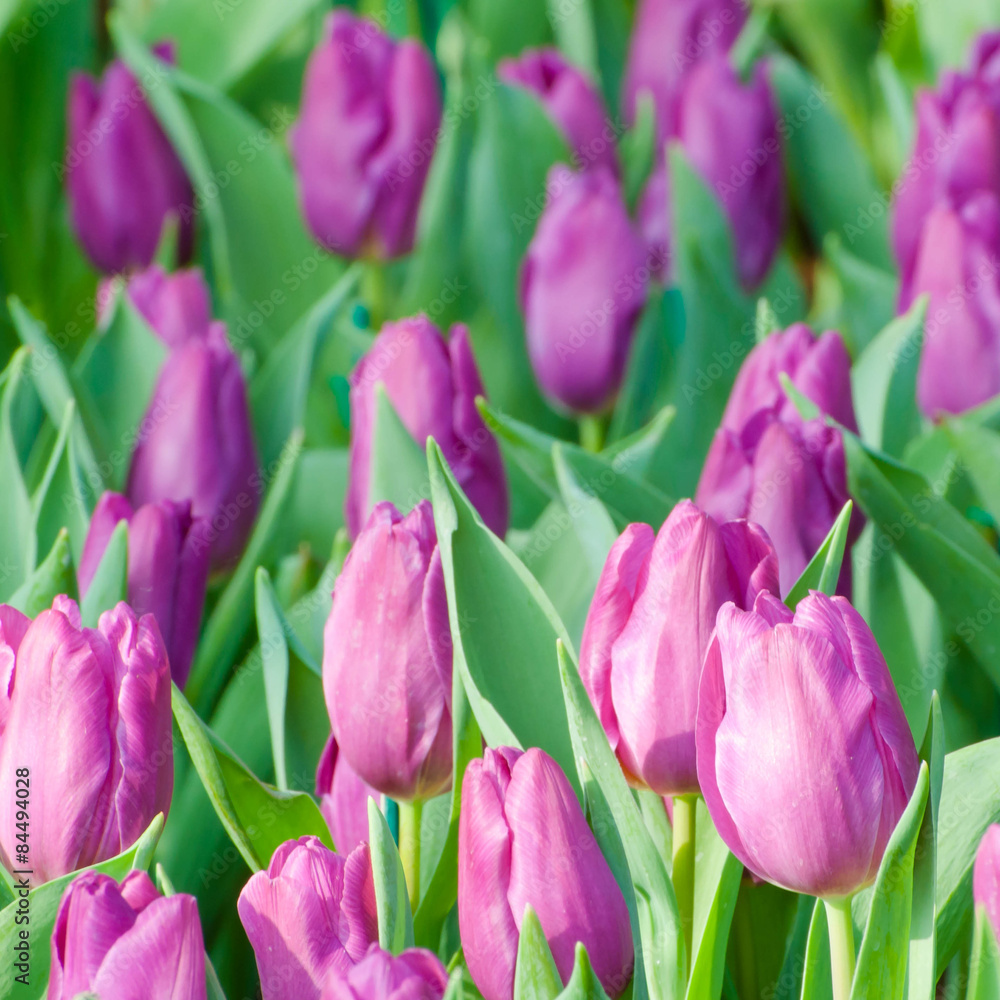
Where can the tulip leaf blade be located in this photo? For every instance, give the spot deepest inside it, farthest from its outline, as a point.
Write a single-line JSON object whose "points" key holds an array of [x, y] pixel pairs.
{"points": [[398, 469], [984, 964], [53, 576], [823, 570], [110, 581], [535, 974], [978, 448], [882, 958], [395, 922], [583, 983], [274, 667], [816, 983], [592, 523]]}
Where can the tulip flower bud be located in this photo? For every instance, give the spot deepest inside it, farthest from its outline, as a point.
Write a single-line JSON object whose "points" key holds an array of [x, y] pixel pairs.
{"points": [[168, 554], [123, 177], [177, 306], [309, 917], [371, 114], [805, 758], [433, 386], [986, 876], [583, 285], [571, 100], [88, 715], [523, 839], [414, 974], [648, 628], [196, 443], [387, 657], [119, 942], [343, 799]]}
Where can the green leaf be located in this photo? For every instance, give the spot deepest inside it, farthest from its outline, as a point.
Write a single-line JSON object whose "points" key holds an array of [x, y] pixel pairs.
{"points": [[395, 923], [591, 522], [984, 964], [978, 448], [274, 656], [110, 582], [637, 150], [54, 576], [583, 984], [398, 468], [947, 32], [816, 984], [535, 974], [823, 570]]}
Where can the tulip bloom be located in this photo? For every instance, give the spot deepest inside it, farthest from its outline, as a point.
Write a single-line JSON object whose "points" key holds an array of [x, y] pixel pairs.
{"points": [[343, 799], [123, 177], [124, 941], [571, 100], [647, 630], [309, 917], [371, 114], [523, 839], [583, 286], [387, 657], [414, 974], [168, 554], [986, 876], [88, 714], [196, 443], [432, 385], [177, 306], [805, 758]]}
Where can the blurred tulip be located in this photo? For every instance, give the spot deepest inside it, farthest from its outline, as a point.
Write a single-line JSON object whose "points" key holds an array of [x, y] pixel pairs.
{"points": [[571, 100], [583, 286], [523, 839], [125, 942], [177, 306], [343, 799], [196, 443], [88, 714], [309, 917], [986, 876], [414, 974], [371, 114], [123, 177], [805, 758], [387, 657], [168, 554], [432, 385], [647, 630]]}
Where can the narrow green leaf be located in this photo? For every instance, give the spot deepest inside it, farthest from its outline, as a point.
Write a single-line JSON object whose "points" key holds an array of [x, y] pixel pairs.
{"points": [[591, 522], [395, 922], [398, 469], [274, 657], [535, 974], [17, 556], [110, 581], [823, 570], [583, 984], [816, 983], [54, 576]]}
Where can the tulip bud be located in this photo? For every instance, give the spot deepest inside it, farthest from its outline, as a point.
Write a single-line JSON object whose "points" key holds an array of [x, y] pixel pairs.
{"points": [[309, 917], [414, 974], [168, 554], [119, 942], [648, 628], [371, 114], [196, 443], [387, 657], [571, 100], [123, 177], [986, 876], [177, 306], [523, 839], [583, 285], [343, 799], [89, 718], [433, 386], [805, 758]]}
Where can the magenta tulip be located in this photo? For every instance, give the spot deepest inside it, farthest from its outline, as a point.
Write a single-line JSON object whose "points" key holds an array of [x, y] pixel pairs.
{"points": [[414, 974], [343, 799], [177, 306], [986, 876]]}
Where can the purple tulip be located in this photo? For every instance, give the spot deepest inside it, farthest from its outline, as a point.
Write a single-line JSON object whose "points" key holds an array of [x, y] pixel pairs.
{"points": [[986, 876], [88, 714], [343, 799], [177, 306], [523, 839], [432, 385], [196, 443], [415, 974], [168, 553], [805, 758], [583, 285], [647, 630], [571, 100], [123, 177], [371, 114], [309, 917], [122, 942]]}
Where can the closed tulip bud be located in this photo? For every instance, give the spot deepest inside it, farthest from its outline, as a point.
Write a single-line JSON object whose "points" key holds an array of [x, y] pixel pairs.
{"points": [[309, 917], [523, 840], [123, 177], [583, 285], [648, 628], [432, 385], [196, 443], [805, 758], [387, 657], [343, 799], [414, 974], [371, 113], [986, 876], [168, 554], [571, 100], [120, 942], [177, 306], [89, 717]]}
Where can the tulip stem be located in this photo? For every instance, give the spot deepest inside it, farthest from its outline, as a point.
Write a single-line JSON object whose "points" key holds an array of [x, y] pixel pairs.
{"points": [[409, 847], [683, 864], [840, 925], [593, 430]]}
